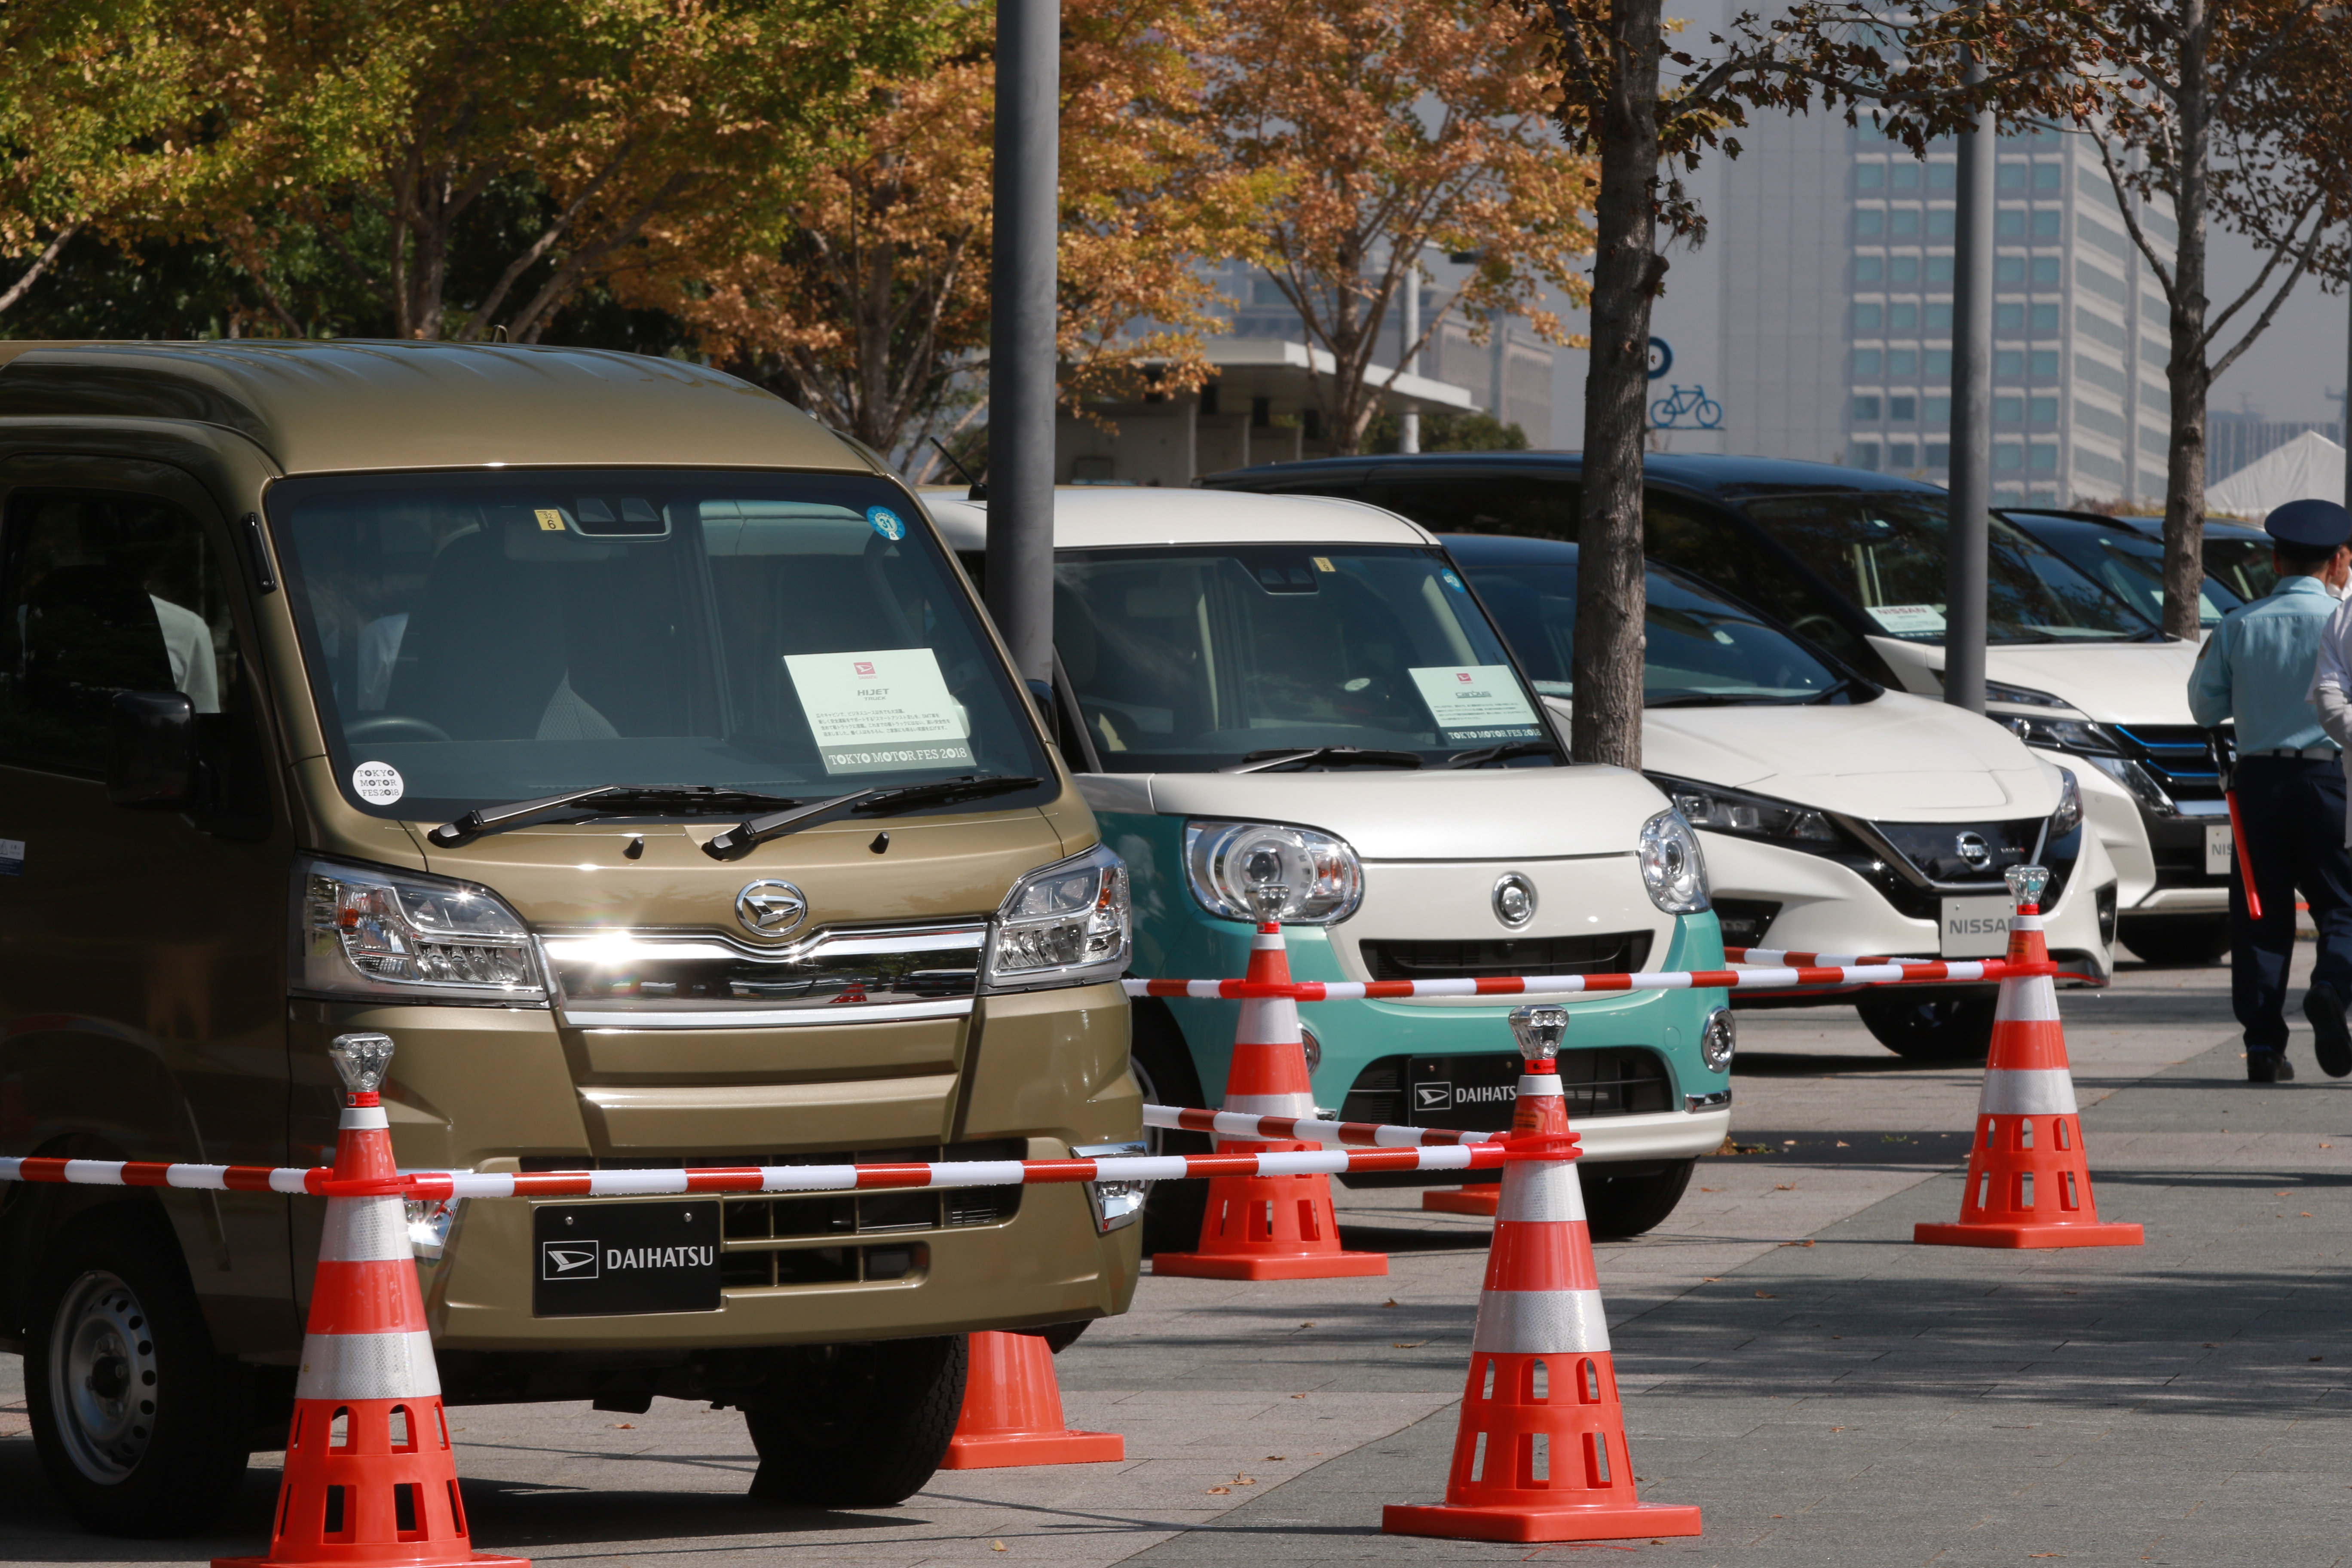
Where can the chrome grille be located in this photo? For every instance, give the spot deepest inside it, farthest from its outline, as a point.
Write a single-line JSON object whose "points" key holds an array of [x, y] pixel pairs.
{"points": [[655, 980]]}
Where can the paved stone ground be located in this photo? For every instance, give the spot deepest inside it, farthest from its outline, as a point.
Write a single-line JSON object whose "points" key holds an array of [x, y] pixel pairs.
{"points": [[1825, 1391]]}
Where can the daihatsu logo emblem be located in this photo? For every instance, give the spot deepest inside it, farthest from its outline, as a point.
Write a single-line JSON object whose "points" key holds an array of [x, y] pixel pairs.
{"points": [[1972, 849], [770, 909], [568, 1260]]}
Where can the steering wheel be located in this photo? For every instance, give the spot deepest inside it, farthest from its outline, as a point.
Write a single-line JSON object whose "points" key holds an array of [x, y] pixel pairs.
{"points": [[395, 727], [1818, 626]]}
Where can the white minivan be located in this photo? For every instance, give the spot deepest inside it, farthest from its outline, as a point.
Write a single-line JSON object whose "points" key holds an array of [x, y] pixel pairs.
{"points": [[1257, 689]]}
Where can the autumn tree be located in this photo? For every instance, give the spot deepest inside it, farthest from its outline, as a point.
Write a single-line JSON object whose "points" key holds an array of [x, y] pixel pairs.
{"points": [[1908, 69], [1399, 126], [874, 309], [2232, 111]]}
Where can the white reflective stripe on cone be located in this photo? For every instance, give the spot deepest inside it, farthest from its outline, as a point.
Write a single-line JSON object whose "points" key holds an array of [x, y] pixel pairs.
{"points": [[1545, 1084], [363, 1118], [2027, 1092], [1540, 1322], [1265, 942], [2025, 922], [1540, 1192], [367, 1366], [2028, 999], [1267, 1021], [365, 1230], [1270, 1105]]}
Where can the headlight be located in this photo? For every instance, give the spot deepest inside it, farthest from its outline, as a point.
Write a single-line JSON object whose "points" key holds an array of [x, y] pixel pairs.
{"points": [[2138, 781], [2060, 734], [2069, 814], [1672, 867], [1063, 924], [1224, 860], [2022, 695], [1749, 815], [1718, 1040], [363, 930]]}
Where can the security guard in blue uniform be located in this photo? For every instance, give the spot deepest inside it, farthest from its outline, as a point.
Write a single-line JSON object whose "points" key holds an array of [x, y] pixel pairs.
{"points": [[2255, 670]]}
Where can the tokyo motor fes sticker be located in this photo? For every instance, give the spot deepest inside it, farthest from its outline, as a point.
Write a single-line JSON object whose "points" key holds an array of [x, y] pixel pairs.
{"points": [[378, 784], [881, 710]]}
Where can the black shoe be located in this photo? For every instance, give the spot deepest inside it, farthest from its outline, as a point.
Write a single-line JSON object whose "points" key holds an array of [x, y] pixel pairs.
{"points": [[2331, 1037], [2269, 1067]]}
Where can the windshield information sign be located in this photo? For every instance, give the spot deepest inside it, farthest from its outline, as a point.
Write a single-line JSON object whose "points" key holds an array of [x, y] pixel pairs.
{"points": [[880, 710], [1477, 702]]}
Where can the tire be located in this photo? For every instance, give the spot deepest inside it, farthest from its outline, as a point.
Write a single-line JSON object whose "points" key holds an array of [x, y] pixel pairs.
{"points": [[145, 1429], [1164, 1068], [1930, 1028], [2179, 943], [864, 1426], [1616, 1208]]}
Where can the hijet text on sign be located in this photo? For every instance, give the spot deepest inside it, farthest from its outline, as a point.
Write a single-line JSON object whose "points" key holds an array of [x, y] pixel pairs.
{"points": [[1477, 702], [880, 710]]}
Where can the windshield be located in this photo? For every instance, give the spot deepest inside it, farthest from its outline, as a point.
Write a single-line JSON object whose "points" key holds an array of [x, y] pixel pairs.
{"points": [[1697, 648], [492, 638], [2127, 565], [1887, 553], [1186, 659]]}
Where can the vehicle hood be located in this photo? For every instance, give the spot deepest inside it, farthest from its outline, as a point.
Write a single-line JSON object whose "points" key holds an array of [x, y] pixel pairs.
{"points": [[1898, 759], [1492, 814], [2115, 683]]}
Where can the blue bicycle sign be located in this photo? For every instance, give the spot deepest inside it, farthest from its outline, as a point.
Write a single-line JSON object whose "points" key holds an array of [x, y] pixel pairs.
{"points": [[1704, 413]]}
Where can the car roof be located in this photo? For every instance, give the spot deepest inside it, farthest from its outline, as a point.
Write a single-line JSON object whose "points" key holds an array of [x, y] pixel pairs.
{"points": [[357, 404], [2145, 527], [1100, 517], [1728, 476]]}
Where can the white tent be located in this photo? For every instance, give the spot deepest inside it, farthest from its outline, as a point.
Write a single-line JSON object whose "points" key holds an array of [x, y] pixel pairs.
{"points": [[2309, 468]]}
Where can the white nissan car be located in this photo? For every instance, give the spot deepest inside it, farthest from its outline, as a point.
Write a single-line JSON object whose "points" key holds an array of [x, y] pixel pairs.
{"points": [[1838, 816]]}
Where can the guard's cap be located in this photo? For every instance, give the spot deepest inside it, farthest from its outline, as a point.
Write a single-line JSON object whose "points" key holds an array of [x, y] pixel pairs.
{"points": [[2309, 525]]}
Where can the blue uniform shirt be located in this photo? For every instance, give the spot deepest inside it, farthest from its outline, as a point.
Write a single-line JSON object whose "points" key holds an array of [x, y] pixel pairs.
{"points": [[2256, 668]]}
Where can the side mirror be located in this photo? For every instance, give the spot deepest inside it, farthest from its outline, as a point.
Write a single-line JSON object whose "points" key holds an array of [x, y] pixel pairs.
{"points": [[151, 756]]}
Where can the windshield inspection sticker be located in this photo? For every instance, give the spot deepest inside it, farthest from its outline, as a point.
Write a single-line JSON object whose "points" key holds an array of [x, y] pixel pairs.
{"points": [[1477, 702], [871, 712], [378, 784], [1908, 619], [886, 523]]}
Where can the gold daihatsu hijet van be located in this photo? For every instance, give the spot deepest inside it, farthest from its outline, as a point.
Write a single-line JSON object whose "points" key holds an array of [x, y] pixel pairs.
{"points": [[627, 748]]}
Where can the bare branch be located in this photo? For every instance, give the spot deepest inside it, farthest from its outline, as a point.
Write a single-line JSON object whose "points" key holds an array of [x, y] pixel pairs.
{"points": [[32, 274], [2131, 220], [2301, 265], [2214, 324], [540, 247]]}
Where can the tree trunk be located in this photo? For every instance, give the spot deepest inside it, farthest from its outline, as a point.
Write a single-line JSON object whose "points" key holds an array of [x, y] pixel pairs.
{"points": [[2185, 376], [1626, 270]]}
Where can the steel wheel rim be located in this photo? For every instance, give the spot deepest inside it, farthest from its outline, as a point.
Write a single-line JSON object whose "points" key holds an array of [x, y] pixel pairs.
{"points": [[103, 1381]]}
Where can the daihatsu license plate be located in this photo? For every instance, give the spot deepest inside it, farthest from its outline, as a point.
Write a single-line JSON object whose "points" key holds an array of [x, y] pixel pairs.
{"points": [[591, 1260], [1472, 1094], [1975, 928]]}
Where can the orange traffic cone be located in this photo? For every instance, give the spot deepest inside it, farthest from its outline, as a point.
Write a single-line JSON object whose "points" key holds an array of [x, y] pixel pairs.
{"points": [[1540, 1454], [369, 1481], [2029, 1177], [1269, 1228], [1012, 1412], [1481, 1200]]}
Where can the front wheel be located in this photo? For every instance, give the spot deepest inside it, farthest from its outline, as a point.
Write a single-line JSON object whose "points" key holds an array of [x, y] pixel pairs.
{"points": [[864, 1425], [1618, 1206], [143, 1428], [2179, 943], [1929, 1028]]}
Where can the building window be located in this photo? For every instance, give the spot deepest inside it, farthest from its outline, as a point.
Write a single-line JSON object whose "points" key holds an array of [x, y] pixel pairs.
{"points": [[1865, 364], [1903, 410], [1939, 223], [2008, 456], [2009, 409], [1940, 269], [2045, 272], [1865, 406], [1869, 222], [1942, 176], [1940, 364], [2008, 317], [1939, 454], [1903, 316], [1865, 455], [2045, 457], [2009, 224], [1869, 176], [1869, 269], [1902, 454], [2012, 177], [1903, 223], [2045, 319], [1939, 410], [2009, 271], [2009, 365], [1904, 269], [2042, 410], [1907, 176], [1939, 316], [1867, 319], [2047, 177], [2045, 224], [1902, 365], [2045, 364]]}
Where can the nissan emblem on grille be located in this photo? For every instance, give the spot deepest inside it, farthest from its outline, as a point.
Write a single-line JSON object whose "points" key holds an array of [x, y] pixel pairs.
{"points": [[767, 909], [1971, 847]]}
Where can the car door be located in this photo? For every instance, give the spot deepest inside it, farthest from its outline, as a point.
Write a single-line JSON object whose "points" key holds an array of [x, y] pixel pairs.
{"points": [[143, 996]]}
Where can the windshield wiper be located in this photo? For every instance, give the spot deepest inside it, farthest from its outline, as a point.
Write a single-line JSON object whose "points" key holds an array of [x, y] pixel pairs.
{"points": [[1847, 683], [1281, 757], [514, 814], [1504, 752], [748, 835], [1706, 699]]}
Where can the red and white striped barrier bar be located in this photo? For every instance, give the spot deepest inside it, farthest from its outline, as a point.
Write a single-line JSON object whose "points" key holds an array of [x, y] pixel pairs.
{"points": [[1750, 979], [1486, 1153], [1377, 1134], [1788, 958], [150, 1173]]}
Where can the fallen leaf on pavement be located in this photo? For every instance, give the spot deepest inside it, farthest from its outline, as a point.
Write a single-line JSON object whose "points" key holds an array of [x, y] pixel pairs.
{"points": [[997, 1546], [624, 1425], [1244, 1480], [1278, 1457], [2306, 1214], [1220, 1491], [1390, 1302], [1298, 1396], [1711, 1189], [1784, 1186], [1407, 1345]]}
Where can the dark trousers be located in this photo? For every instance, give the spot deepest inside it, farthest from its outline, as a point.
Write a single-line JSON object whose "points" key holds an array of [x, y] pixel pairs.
{"points": [[2291, 813]]}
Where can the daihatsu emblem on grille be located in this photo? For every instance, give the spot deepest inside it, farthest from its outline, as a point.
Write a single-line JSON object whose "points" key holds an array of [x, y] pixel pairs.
{"points": [[1972, 849], [770, 909]]}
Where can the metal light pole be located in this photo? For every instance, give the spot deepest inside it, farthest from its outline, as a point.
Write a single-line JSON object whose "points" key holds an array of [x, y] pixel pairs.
{"points": [[1409, 422], [1971, 471], [1021, 352]]}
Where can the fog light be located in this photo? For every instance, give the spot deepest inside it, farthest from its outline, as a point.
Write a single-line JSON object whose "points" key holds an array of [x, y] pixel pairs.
{"points": [[1314, 1048], [428, 1225], [1117, 1205], [1718, 1040]]}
